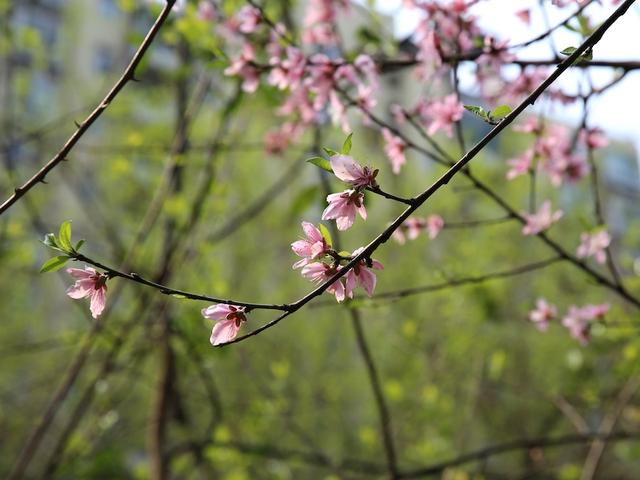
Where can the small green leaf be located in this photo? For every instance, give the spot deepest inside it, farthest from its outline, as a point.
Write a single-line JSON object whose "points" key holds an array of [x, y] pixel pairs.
{"points": [[79, 245], [323, 163], [346, 146], [568, 51], [53, 264], [501, 111], [330, 151], [50, 241], [325, 234], [64, 236], [344, 253], [178, 295], [587, 56], [479, 111]]}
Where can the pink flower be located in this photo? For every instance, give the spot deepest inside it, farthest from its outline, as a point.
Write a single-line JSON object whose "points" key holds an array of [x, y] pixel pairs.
{"points": [[530, 125], [229, 319], [399, 114], [412, 226], [242, 66], [362, 275], [444, 114], [435, 223], [349, 171], [343, 207], [520, 165], [542, 314], [314, 246], [288, 72], [248, 19], [89, 284], [593, 138], [319, 272], [594, 245], [541, 220], [579, 320], [495, 53], [206, 11], [394, 148], [524, 15]]}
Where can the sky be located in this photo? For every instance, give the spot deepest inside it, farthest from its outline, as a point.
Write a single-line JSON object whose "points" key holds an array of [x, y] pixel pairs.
{"points": [[616, 111]]}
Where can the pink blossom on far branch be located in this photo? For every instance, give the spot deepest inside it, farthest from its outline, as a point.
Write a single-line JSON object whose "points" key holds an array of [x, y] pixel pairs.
{"points": [[593, 138], [394, 147], [311, 248], [228, 318], [343, 207], [242, 66], [542, 314], [594, 245], [541, 220], [579, 320], [444, 114], [89, 284], [412, 227]]}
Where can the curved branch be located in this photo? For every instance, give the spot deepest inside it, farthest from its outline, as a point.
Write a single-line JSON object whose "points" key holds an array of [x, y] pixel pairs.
{"points": [[134, 277], [128, 75]]}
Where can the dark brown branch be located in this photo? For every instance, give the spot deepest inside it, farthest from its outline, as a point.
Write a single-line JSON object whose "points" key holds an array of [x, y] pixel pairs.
{"points": [[418, 201], [128, 75], [35, 437], [452, 283], [381, 404], [515, 445], [134, 277]]}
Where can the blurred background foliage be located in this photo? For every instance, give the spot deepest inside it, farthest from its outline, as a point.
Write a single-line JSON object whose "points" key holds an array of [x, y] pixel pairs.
{"points": [[461, 368]]}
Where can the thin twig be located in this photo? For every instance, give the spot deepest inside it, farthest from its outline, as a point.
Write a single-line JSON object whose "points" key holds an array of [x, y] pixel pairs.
{"points": [[128, 75]]}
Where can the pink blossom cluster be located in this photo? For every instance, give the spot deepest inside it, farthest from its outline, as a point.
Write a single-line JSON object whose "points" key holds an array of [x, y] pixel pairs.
{"points": [[435, 115], [446, 29], [314, 84], [320, 263], [413, 226], [578, 320], [594, 245], [552, 149], [541, 220], [320, 20]]}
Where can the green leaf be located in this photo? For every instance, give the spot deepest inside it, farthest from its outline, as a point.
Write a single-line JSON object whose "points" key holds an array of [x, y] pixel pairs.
{"points": [[568, 51], [79, 245], [323, 163], [325, 234], [479, 111], [587, 56], [178, 295], [344, 253], [346, 146], [50, 241], [330, 151], [64, 236], [501, 111], [53, 264]]}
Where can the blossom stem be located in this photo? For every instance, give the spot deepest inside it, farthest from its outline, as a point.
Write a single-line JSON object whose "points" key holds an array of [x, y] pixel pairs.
{"points": [[378, 191], [134, 277]]}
